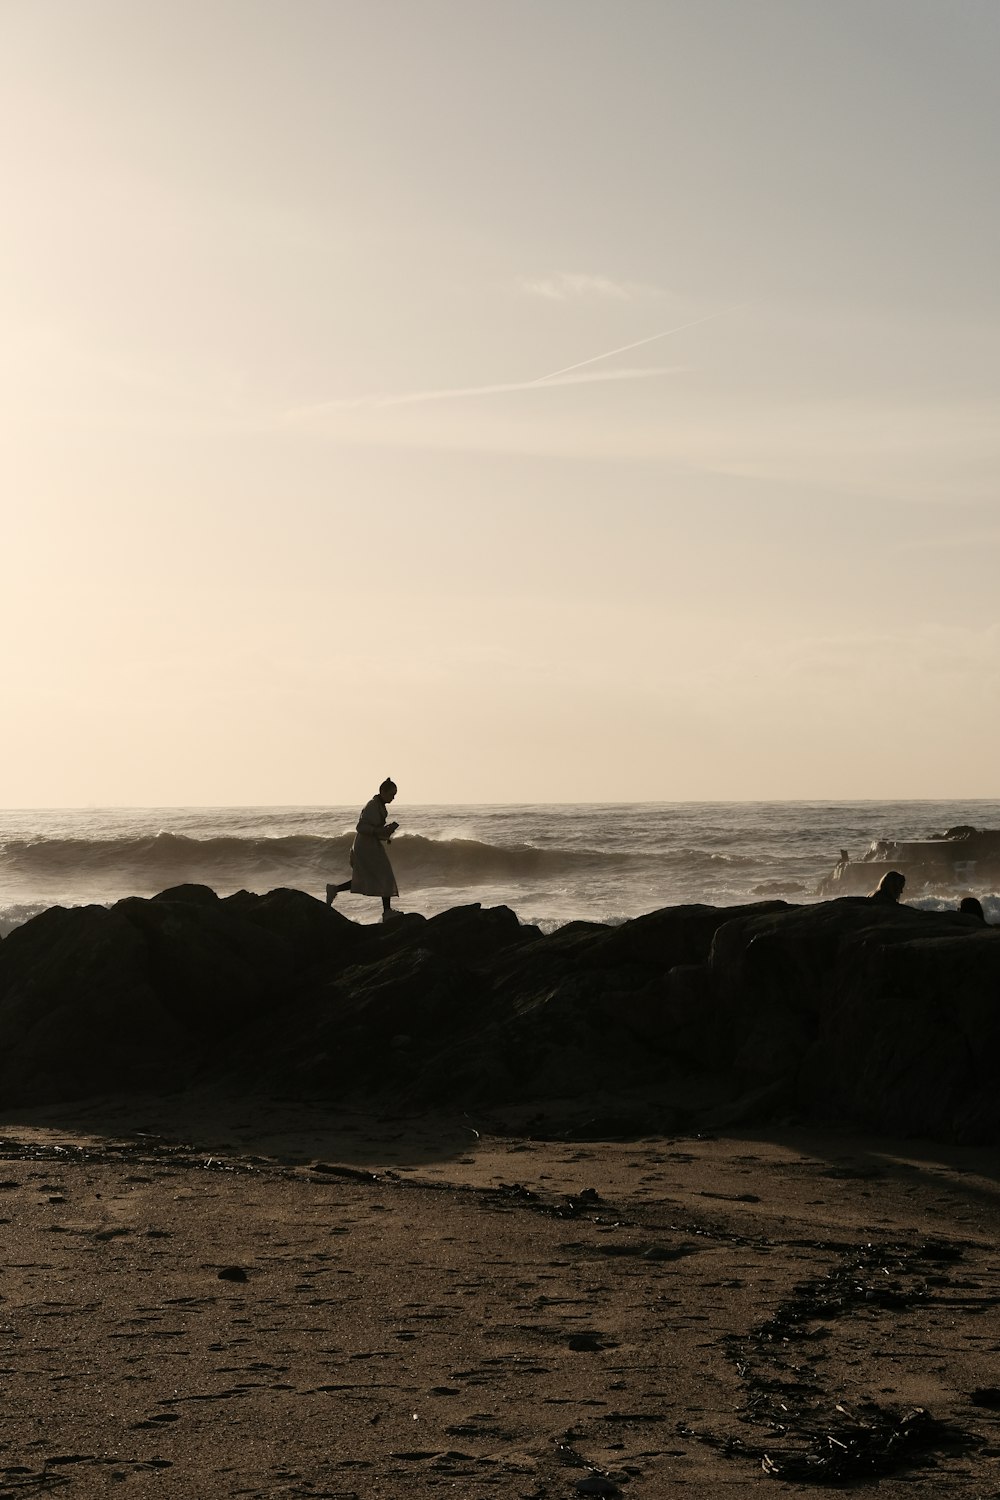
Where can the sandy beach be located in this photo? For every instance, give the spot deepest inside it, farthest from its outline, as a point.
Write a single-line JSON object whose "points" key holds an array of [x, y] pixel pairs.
{"points": [[263, 1298], [499, 812]]}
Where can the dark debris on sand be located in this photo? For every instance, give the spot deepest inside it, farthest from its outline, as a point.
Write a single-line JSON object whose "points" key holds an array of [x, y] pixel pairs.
{"points": [[818, 1435]]}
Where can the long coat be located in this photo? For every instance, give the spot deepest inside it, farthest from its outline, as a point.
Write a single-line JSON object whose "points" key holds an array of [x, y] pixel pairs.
{"points": [[371, 871]]}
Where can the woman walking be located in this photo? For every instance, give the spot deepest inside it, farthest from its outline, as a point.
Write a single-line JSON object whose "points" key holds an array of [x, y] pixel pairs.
{"points": [[372, 872]]}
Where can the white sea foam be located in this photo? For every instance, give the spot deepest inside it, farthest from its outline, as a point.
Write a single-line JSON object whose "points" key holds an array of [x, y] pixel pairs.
{"points": [[551, 864]]}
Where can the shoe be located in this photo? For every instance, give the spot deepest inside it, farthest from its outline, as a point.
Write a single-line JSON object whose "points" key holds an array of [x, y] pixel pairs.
{"points": [[331, 894], [391, 915]]}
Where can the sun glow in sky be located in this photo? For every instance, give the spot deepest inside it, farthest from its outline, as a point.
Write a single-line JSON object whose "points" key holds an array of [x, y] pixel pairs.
{"points": [[336, 440]]}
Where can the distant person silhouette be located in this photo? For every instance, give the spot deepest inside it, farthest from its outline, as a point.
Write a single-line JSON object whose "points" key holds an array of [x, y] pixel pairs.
{"points": [[372, 872], [972, 908], [889, 888]]}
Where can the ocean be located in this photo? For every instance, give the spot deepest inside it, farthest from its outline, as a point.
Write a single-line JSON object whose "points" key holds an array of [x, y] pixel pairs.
{"points": [[552, 864]]}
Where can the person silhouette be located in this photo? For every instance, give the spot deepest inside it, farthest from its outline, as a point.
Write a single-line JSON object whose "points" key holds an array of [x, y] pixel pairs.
{"points": [[889, 888], [371, 871], [972, 907]]}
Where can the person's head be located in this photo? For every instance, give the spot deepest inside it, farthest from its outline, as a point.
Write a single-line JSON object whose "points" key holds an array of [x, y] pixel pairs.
{"points": [[890, 887], [387, 790], [972, 907]]}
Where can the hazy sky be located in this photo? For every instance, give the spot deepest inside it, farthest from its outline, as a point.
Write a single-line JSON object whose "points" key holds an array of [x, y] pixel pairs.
{"points": [[289, 501]]}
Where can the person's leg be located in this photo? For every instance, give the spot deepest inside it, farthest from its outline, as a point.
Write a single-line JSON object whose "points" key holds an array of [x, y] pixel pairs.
{"points": [[332, 891], [385, 904]]}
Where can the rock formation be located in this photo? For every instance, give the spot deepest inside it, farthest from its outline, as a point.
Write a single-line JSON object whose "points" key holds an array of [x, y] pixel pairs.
{"points": [[883, 1017]]}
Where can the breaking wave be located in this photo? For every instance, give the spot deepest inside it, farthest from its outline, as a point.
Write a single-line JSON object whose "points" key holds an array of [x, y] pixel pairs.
{"points": [[164, 859], [550, 864], [163, 856]]}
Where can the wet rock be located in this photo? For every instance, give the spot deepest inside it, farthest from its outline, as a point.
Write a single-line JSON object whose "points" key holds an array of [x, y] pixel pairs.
{"points": [[315, 932], [883, 1016], [596, 1484], [472, 935], [78, 1013]]}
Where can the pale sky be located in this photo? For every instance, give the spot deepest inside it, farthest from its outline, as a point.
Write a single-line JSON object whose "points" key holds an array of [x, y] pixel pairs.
{"points": [[293, 496]]}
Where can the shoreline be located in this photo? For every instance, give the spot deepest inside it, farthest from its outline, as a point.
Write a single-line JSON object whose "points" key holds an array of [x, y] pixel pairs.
{"points": [[452, 1204], [551, 864]]}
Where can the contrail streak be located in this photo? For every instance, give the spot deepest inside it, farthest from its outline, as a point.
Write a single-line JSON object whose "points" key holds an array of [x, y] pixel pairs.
{"points": [[452, 393], [412, 398], [565, 376], [541, 379]]}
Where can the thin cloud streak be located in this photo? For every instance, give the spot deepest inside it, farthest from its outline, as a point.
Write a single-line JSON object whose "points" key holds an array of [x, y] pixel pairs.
{"points": [[553, 378], [610, 353], [559, 378]]}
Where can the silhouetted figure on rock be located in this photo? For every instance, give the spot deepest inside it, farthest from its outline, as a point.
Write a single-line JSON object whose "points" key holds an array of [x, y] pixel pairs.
{"points": [[369, 861], [889, 888], [972, 908]]}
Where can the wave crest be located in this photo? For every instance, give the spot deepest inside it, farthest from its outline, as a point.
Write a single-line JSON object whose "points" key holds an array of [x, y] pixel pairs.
{"points": [[298, 859]]}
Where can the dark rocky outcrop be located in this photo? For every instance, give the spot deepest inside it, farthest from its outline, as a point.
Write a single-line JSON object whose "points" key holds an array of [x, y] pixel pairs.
{"points": [[883, 1016]]}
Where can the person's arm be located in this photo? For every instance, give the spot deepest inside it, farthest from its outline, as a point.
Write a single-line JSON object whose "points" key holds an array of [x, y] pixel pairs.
{"points": [[372, 822]]}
